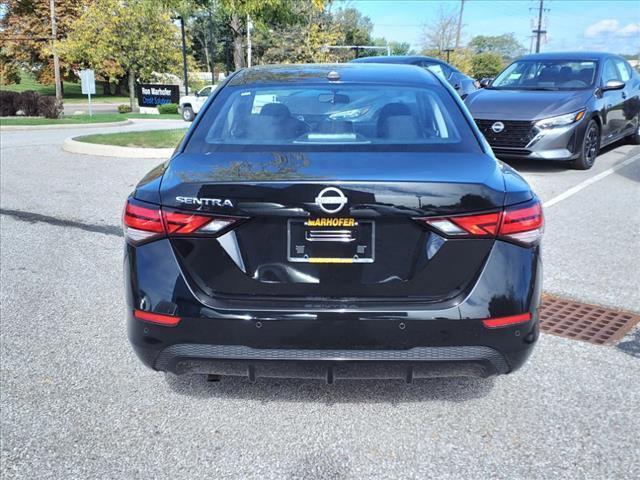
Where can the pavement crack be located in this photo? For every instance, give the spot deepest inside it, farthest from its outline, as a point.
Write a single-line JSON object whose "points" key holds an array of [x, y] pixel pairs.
{"points": [[32, 217]]}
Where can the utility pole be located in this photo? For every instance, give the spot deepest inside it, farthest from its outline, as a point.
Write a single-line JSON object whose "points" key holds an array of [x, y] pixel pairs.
{"points": [[184, 56], [56, 60], [459, 24], [539, 32], [249, 28]]}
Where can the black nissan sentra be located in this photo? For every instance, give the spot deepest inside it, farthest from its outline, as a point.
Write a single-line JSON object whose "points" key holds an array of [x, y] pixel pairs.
{"points": [[333, 222]]}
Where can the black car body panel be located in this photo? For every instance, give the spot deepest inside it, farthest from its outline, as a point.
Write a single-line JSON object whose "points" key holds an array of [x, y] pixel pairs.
{"points": [[518, 109], [461, 83], [242, 305]]}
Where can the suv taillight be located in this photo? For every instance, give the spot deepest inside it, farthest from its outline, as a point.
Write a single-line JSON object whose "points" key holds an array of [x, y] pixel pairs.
{"points": [[522, 223], [143, 222]]}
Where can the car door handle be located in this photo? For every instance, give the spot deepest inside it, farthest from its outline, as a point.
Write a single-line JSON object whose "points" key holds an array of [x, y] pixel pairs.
{"points": [[624, 95]]}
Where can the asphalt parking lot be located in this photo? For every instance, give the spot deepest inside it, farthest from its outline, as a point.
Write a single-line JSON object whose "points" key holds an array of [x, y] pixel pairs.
{"points": [[76, 403]]}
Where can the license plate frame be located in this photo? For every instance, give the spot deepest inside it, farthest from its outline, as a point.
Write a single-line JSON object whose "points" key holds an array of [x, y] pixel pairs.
{"points": [[331, 241]]}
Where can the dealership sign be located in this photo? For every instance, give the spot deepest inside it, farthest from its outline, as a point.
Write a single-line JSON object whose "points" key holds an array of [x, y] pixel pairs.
{"points": [[151, 95]]}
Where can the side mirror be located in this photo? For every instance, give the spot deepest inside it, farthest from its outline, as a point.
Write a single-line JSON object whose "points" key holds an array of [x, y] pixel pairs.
{"points": [[612, 85], [197, 94], [485, 82]]}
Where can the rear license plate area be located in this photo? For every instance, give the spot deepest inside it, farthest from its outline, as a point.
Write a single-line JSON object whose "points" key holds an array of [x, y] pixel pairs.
{"points": [[331, 240]]}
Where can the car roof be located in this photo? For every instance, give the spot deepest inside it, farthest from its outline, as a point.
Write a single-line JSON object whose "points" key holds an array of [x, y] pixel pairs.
{"points": [[396, 59], [349, 73], [568, 56]]}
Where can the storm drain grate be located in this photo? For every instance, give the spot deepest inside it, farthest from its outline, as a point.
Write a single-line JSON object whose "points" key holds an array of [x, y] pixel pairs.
{"points": [[581, 321]]}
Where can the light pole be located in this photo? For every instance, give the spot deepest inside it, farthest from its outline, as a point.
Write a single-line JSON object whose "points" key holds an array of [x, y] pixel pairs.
{"points": [[249, 28], [184, 57], [56, 60]]}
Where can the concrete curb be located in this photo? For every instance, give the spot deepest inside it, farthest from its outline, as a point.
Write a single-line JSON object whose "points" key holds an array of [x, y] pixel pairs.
{"points": [[14, 128], [74, 146]]}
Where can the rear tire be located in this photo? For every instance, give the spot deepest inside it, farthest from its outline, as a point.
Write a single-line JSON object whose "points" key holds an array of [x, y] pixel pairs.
{"points": [[188, 114], [590, 147], [634, 138]]}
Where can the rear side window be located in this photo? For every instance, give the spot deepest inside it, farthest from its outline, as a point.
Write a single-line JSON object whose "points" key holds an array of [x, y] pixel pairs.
{"points": [[625, 74], [334, 117]]}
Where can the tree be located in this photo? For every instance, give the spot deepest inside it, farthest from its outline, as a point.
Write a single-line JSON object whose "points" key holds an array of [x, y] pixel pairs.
{"points": [[261, 12], [304, 39], [115, 38], [486, 64], [9, 72], [506, 45], [440, 34], [26, 33], [400, 48], [355, 27]]}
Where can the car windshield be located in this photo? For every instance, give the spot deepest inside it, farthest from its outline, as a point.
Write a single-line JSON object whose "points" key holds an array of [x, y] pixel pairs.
{"points": [[546, 75], [320, 117]]}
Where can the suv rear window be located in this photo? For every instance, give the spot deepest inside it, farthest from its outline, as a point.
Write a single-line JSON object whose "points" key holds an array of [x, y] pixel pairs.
{"points": [[334, 117]]}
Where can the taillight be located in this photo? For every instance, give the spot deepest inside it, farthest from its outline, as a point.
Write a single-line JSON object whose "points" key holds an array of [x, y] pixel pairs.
{"points": [[144, 222], [141, 223], [524, 224], [520, 223]]}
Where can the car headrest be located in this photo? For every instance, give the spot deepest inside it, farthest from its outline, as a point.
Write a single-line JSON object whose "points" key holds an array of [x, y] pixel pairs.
{"points": [[275, 110], [390, 110], [399, 127]]}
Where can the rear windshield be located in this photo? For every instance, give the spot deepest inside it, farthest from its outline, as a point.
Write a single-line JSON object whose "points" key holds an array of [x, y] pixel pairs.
{"points": [[547, 75], [333, 118]]}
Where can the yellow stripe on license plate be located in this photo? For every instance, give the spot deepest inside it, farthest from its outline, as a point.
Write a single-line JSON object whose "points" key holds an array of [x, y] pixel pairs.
{"points": [[330, 260]]}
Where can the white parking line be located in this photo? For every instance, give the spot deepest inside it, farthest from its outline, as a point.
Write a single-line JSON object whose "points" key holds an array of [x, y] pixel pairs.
{"points": [[589, 181]]}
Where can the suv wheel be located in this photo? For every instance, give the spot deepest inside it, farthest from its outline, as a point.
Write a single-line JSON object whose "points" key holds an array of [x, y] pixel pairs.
{"points": [[187, 114], [590, 147]]}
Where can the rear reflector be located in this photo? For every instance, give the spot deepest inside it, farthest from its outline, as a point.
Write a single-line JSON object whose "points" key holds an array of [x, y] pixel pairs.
{"points": [[506, 321], [520, 223], [158, 318], [144, 222]]}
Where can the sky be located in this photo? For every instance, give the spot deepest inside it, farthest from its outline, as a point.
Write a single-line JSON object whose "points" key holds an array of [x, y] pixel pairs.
{"points": [[601, 25]]}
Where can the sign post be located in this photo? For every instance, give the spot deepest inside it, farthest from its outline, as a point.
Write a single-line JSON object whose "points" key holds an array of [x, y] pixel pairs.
{"points": [[88, 85]]}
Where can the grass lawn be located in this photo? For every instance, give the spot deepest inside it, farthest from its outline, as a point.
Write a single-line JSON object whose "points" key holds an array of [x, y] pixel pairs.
{"points": [[97, 118], [69, 119], [149, 139], [72, 92]]}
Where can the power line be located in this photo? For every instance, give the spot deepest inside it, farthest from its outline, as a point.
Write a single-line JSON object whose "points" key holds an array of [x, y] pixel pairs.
{"points": [[538, 32]]}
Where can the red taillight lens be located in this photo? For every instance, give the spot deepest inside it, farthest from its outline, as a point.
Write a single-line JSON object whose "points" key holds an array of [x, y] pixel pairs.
{"points": [[506, 321], [183, 223], [521, 223], [141, 223], [158, 318], [479, 225], [144, 222]]}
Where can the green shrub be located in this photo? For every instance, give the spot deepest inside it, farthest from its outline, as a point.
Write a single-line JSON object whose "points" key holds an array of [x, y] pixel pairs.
{"points": [[168, 108], [8, 103], [28, 103], [124, 108], [486, 64], [48, 107]]}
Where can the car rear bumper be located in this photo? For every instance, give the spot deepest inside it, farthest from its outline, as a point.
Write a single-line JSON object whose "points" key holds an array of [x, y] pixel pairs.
{"points": [[338, 347], [349, 341], [330, 365]]}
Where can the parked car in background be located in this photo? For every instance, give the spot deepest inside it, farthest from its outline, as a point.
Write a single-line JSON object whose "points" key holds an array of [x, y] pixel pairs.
{"points": [[190, 105], [559, 106], [293, 234], [460, 82]]}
